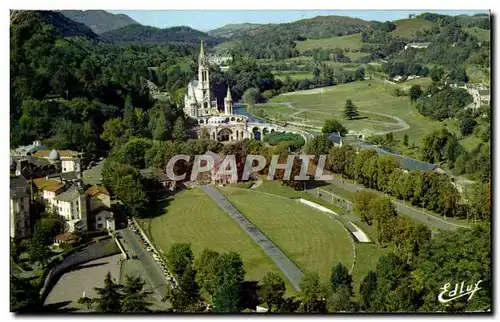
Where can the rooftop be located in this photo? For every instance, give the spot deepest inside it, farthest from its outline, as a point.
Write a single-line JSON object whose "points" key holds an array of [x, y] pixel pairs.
{"points": [[62, 153], [69, 195], [404, 162], [97, 190], [48, 184], [484, 92], [18, 182]]}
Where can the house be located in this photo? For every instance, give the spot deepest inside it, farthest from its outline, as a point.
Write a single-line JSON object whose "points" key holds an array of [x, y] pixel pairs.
{"points": [[31, 167], [335, 138], [98, 197], [484, 96], [68, 160], [20, 195], [404, 162], [161, 180], [28, 149], [66, 198], [99, 204]]}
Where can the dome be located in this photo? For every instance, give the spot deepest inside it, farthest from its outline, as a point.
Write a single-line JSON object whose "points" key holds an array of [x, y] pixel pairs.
{"points": [[54, 155]]}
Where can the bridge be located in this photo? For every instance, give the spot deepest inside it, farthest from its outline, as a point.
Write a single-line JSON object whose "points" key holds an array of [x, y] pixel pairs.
{"points": [[258, 130]]}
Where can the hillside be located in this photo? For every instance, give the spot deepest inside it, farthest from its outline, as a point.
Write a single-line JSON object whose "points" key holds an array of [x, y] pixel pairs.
{"points": [[315, 28], [407, 28], [232, 30], [62, 25], [99, 21], [135, 34]]}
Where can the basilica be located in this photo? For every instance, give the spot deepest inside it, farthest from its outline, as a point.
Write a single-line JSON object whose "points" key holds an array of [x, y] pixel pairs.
{"points": [[222, 126]]}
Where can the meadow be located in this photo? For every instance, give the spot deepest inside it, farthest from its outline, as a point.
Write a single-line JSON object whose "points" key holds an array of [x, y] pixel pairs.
{"points": [[192, 217], [308, 237]]}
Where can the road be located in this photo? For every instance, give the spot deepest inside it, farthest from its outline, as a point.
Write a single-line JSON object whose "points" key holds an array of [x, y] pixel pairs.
{"points": [[287, 266], [404, 209], [409, 211], [151, 269]]}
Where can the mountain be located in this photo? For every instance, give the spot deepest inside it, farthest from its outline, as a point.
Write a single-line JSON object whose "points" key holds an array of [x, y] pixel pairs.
{"points": [[99, 21], [62, 25], [233, 30], [135, 34]]}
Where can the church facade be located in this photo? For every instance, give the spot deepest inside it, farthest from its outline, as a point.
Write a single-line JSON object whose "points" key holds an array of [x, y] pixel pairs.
{"points": [[218, 125]]}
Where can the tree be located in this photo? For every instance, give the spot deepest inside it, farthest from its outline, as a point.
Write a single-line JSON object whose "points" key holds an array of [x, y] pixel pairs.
{"points": [[381, 211], [251, 96], [467, 126], [160, 129], [180, 256], [179, 130], [272, 290], [340, 301], [350, 110], [227, 299], [186, 297], [312, 294], [340, 278], [334, 126], [206, 274], [405, 140], [415, 92], [366, 289], [87, 301], [24, 296], [134, 296], [362, 200], [114, 131], [109, 299], [318, 145], [37, 247]]}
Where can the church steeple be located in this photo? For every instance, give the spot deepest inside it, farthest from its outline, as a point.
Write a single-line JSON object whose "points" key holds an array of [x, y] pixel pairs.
{"points": [[228, 103], [201, 57]]}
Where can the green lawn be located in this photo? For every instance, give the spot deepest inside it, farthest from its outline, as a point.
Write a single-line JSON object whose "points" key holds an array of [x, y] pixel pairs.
{"points": [[308, 237], [371, 96], [293, 75], [192, 217], [407, 28], [481, 34], [351, 41]]}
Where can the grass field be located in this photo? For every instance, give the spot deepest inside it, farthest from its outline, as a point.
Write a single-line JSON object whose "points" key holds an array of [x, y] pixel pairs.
{"points": [[192, 217], [478, 74], [351, 41], [370, 96], [293, 75], [481, 34], [407, 28], [308, 237]]}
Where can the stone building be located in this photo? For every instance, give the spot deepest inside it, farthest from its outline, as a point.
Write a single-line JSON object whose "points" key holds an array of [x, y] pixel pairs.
{"points": [[19, 206], [198, 104]]}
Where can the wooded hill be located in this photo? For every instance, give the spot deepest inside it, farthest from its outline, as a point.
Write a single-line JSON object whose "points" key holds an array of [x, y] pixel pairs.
{"points": [[139, 34], [99, 21]]}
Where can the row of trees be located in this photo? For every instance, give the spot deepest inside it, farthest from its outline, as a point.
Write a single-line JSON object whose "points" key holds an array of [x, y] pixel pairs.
{"points": [[430, 190]]}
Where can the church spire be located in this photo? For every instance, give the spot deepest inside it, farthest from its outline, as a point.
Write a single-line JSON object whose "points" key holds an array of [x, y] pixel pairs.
{"points": [[228, 95], [202, 52]]}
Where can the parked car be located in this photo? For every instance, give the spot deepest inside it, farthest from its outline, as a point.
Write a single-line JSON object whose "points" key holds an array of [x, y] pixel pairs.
{"points": [[149, 249]]}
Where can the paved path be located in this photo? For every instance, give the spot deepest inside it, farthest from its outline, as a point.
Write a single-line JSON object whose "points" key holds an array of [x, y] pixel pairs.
{"points": [[403, 208], [291, 271], [155, 277], [82, 278]]}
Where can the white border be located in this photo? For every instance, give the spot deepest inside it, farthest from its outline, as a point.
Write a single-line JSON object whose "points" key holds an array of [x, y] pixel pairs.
{"points": [[199, 4]]}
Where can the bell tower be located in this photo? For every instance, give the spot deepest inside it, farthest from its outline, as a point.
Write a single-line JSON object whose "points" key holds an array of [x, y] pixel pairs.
{"points": [[204, 80]]}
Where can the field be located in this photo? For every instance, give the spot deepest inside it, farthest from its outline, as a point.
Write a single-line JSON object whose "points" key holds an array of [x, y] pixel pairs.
{"points": [[308, 237], [350, 41], [192, 217], [481, 34], [374, 96], [407, 28], [293, 75]]}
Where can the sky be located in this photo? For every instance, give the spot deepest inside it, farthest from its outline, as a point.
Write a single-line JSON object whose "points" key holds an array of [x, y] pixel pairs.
{"points": [[206, 20]]}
